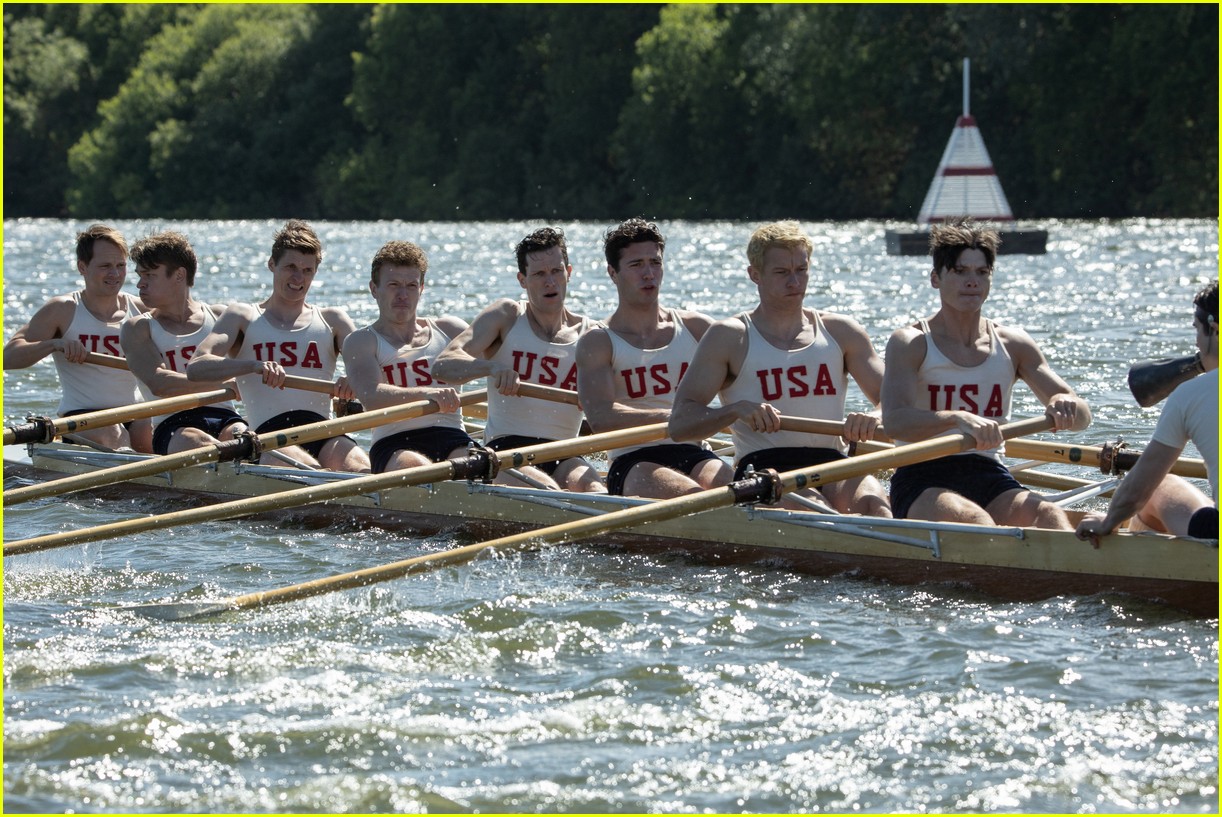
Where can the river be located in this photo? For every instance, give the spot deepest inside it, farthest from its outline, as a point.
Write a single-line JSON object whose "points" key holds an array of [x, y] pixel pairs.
{"points": [[583, 679]]}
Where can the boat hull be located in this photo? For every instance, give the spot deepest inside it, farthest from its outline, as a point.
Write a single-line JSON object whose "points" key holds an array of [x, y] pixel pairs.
{"points": [[1013, 242], [1021, 564]]}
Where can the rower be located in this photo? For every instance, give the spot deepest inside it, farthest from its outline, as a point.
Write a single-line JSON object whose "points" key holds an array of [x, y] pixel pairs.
{"points": [[261, 344], [1154, 498], [783, 357], [160, 343], [389, 363], [70, 327], [628, 371], [954, 373], [512, 342]]}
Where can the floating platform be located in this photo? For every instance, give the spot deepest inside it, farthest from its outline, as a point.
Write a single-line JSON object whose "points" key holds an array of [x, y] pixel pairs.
{"points": [[1013, 242]]}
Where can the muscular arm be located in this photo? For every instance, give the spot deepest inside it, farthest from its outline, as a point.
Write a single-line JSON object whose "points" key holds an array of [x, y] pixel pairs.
{"points": [[716, 363], [43, 335], [1134, 491], [365, 378], [213, 360], [467, 356], [866, 369], [1069, 411]]}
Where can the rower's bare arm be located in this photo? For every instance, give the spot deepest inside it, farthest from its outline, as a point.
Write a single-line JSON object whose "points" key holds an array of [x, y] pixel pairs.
{"points": [[145, 362], [696, 322], [596, 388], [43, 335], [1066, 409], [340, 322], [467, 356], [1134, 491], [213, 360], [713, 367]]}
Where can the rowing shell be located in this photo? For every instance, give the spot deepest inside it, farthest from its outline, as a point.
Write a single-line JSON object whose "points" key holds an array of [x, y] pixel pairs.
{"points": [[1011, 563]]}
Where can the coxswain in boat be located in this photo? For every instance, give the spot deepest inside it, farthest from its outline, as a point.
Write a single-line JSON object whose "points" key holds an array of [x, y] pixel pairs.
{"points": [[954, 373], [1154, 498], [629, 369], [784, 358], [261, 344], [390, 363], [70, 327], [159, 343], [513, 342]]}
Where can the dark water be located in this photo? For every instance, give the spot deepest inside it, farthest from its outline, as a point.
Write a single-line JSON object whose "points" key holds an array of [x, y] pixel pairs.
{"points": [[589, 679]]}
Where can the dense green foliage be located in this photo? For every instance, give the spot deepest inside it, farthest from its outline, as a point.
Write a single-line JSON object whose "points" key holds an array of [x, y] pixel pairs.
{"points": [[598, 111]]}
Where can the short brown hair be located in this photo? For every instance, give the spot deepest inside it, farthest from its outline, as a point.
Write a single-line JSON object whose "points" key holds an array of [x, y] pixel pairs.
{"points": [[169, 248], [540, 240], [947, 241], [296, 235], [632, 231], [92, 235], [784, 234], [401, 253]]}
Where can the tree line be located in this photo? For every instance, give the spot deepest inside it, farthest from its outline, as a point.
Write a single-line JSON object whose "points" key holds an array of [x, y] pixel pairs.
{"points": [[452, 112]]}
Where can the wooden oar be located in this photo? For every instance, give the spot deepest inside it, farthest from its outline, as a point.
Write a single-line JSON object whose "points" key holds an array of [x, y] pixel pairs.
{"points": [[1044, 451], [44, 431], [755, 489], [472, 467]]}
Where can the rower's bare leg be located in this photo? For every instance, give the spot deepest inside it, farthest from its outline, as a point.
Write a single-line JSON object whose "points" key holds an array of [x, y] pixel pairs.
{"points": [[342, 454], [1170, 508], [184, 439], [859, 495], [141, 435], [107, 437], [577, 474], [535, 478], [293, 452], [944, 505], [404, 458], [1027, 509], [712, 473]]}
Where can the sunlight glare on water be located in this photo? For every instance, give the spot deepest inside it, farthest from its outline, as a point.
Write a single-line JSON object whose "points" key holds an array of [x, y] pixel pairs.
{"points": [[588, 679]]}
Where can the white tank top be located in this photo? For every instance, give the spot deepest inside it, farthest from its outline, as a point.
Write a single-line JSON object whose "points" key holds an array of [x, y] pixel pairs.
{"points": [[176, 351], [648, 378], [84, 385], [305, 352], [409, 367], [983, 390], [536, 361], [806, 382]]}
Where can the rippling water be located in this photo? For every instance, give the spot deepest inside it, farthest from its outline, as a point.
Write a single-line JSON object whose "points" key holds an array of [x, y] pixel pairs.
{"points": [[589, 679]]}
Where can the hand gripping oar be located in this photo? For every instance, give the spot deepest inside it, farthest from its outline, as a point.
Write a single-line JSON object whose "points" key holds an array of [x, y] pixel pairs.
{"points": [[480, 464], [1152, 380], [45, 429], [766, 486], [1110, 459]]}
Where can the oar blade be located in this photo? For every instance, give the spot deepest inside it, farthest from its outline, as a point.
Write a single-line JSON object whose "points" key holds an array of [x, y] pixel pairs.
{"points": [[181, 610]]}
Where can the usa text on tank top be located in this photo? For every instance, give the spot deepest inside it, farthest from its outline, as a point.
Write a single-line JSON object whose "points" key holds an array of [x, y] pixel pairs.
{"points": [[648, 378], [307, 351], [535, 360], [983, 389], [807, 382], [84, 385], [409, 367]]}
